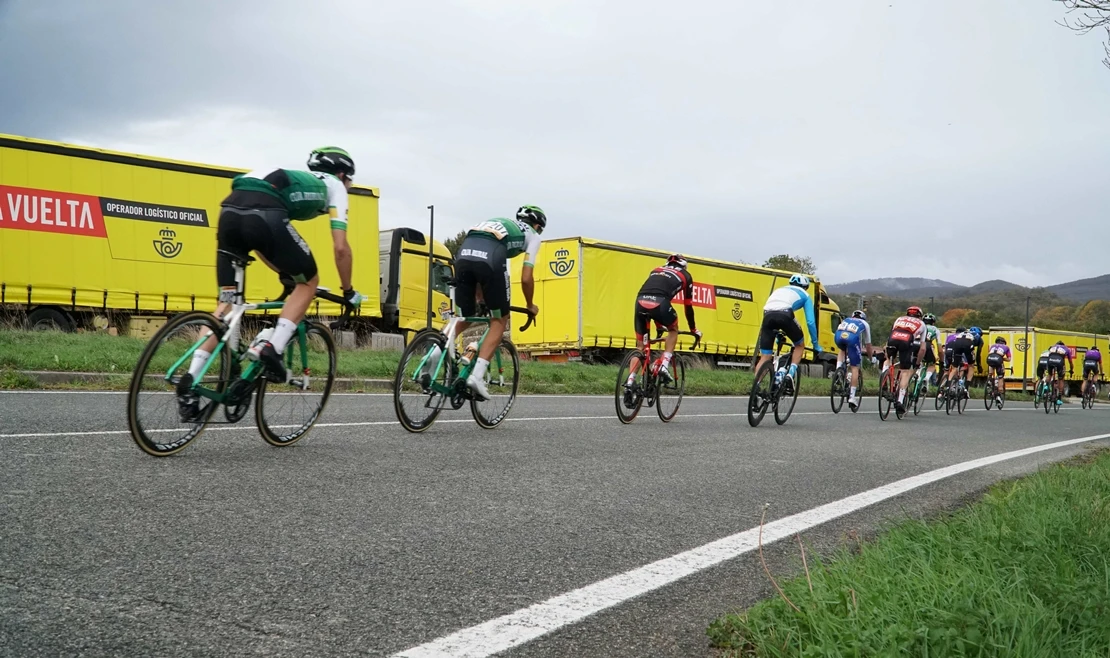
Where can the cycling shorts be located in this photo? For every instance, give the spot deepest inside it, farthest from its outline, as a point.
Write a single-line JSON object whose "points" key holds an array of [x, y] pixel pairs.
{"points": [[961, 353], [267, 231], [996, 363], [907, 354], [1089, 367], [653, 307], [1042, 366], [1056, 364], [930, 355], [482, 263], [783, 321], [850, 343]]}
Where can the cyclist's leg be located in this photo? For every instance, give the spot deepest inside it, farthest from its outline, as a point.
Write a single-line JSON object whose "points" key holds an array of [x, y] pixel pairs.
{"points": [[497, 293], [641, 324], [665, 316], [766, 341], [854, 354]]}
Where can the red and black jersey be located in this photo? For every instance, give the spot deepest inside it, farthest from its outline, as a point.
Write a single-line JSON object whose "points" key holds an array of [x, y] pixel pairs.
{"points": [[667, 282]]}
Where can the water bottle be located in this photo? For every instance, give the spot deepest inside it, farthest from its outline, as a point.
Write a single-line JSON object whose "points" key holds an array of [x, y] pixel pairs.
{"points": [[779, 375], [263, 335], [468, 355]]}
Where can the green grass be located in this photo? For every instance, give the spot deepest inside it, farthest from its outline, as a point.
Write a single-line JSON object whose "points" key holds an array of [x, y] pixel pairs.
{"points": [[89, 352], [1023, 572]]}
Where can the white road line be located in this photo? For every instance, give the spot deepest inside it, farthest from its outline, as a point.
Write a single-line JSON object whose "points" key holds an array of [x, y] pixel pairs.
{"points": [[529, 623]]}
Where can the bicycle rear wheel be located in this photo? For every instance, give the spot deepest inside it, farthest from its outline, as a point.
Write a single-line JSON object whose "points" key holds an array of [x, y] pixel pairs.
{"points": [[988, 395], [838, 392], [1050, 399], [785, 399], [918, 398], [760, 397], [886, 397], [152, 411], [628, 408], [962, 398], [286, 412], [414, 401], [502, 378], [942, 392], [669, 394]]}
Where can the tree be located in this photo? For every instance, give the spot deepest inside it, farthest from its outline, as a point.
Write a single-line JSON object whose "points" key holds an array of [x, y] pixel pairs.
{"points": [[955, 317], [452, 244], [1087, 15], [1055, 317], [803, 264], [1094, 317]]}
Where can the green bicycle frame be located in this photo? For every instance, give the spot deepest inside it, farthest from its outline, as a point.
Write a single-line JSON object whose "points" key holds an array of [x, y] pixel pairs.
{"points": [[447, 390]]}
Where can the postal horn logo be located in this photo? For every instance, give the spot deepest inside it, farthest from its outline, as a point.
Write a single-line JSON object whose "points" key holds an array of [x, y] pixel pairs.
{"points": [[563, 263], [167, 247], [737, 312]]}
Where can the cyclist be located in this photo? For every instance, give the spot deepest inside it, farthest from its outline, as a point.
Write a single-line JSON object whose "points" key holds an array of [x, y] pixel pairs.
{"points": [[1056, 355], [958, 351], [482, 272], [932, 338], [257, 217], [853, 337], [908, 331], [778, 315], [1042, 366], [653, 303], [977, 347], [997, 357], [1092, 366]]}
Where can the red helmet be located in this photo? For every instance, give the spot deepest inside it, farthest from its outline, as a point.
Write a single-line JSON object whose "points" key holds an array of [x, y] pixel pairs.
{"points": [[914, 311]]}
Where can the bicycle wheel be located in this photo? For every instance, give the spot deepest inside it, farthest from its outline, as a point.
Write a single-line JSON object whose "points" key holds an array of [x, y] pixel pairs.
{"points": [[942, 387], [760, 397], [918, 398], [859, 393], [414, 401], [886, 397], [961, 400], [502, 378], [289, 411], [1056, 396], [669, 395], [988, 396], [838, 392], [152, 412], [785, 399], [1050, 399], [627, 410]]}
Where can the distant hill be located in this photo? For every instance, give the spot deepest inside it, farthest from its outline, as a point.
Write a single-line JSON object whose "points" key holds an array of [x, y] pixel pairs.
{"points": [[899, 285], [1083, 290], [993, 286]]}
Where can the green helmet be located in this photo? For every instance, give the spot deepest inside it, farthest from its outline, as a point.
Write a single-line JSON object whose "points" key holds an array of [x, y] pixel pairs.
{"points": [[332, 160], [532, 215]]}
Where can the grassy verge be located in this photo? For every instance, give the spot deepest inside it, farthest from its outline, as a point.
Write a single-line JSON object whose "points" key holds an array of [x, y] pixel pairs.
{"points": [[21, 350], [1024, 572]]}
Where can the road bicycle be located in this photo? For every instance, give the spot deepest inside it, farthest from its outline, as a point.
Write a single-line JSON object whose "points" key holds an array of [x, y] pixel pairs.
{"points": [[1040, 392], [842, 386], [1090, 394], [432, 374], [1053, 395], [772, 387], [285, 411], [665, 394], [888, 393], [942, 387], [992, 395], [956, 394]]}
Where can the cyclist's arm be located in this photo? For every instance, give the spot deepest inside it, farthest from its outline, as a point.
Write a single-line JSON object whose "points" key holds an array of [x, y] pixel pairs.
{"points": [[811, 322], [527, 281], [688, 291], [866, 337], [337, 214]]}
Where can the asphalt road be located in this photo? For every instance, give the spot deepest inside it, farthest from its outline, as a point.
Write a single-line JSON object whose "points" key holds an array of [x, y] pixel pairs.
{"points": [[364, 539]]}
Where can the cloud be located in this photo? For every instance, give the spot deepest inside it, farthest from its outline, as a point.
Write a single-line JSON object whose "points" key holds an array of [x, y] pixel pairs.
{"points": [[945, 139]]}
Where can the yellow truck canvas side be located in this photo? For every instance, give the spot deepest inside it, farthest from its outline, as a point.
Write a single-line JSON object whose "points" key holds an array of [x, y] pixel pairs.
{"points": [[586, 290]]}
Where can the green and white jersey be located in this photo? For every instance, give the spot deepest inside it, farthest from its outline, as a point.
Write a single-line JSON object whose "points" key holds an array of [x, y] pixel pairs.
{"points": [[517, 236], [305, 194], [931, 334]]}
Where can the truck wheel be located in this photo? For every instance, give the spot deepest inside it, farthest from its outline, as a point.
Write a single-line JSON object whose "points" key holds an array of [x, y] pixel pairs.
{"points": [[46, 318]]}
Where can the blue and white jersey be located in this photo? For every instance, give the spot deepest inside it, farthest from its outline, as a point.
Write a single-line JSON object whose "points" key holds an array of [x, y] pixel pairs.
{"points": [[792, 298], [854, 330]]}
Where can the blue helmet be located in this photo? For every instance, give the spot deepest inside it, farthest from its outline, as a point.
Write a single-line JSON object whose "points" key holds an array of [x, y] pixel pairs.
{"points": [[800, 280], [977, 331]]}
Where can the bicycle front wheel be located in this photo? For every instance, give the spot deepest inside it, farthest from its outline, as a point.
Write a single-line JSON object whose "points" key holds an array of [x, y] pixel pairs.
{"points": [[942, 392], [502, 377], [286, 412], [785, 400], [629, 396], [152, 403], [414, 400], [961, 400], [760, 397], [669, 394], [886, 397], [838, 392], [918, 398]]}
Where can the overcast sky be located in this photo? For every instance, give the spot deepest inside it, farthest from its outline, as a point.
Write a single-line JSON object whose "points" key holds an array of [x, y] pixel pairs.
{"points": [[950, 139]]}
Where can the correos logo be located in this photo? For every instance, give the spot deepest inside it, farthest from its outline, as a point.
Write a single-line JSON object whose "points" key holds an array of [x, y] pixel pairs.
{"points": [[166, 247], [563, 263]]}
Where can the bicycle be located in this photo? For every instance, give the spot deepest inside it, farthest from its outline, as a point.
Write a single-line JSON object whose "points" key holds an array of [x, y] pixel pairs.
{"points": [[956, 394], [888, 393], [842, 387], [1053, 395], [992, 395], [1040, 393], [942, 388], [766, 393], [650, 388], [1090, 394], [432, 370], [158, 373], [915, 393]]}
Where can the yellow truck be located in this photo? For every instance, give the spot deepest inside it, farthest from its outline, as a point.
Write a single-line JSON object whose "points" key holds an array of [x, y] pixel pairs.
{"points": [[89, 236], [1027, 351], [586, 289]]}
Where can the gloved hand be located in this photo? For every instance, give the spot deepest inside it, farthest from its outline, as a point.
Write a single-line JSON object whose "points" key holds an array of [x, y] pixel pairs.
{"points": [[697, 336], [353, 297]]}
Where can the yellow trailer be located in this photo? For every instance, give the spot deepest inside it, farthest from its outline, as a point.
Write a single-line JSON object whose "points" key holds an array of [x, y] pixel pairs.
{"points": [[1027, 352], [586, 289], [86, 232]]}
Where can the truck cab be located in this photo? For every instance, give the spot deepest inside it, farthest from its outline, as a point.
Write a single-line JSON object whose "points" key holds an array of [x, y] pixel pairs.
{"points": [[403, 259]]}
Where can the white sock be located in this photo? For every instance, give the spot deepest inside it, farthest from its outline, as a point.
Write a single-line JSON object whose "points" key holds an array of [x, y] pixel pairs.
{"points": [[282, 334], [852, 393], [480, 368], [199, 357], [631, 378], [667, 357], [839, 364], [901, 395]]}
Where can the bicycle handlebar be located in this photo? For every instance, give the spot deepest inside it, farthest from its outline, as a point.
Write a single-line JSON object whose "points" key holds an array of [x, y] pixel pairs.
{"points": [[661, 338], [345, 315], [531, 316]]}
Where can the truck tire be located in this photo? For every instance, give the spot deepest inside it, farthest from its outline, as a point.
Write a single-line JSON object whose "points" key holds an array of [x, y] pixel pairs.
{"points": [[46, 318]]}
